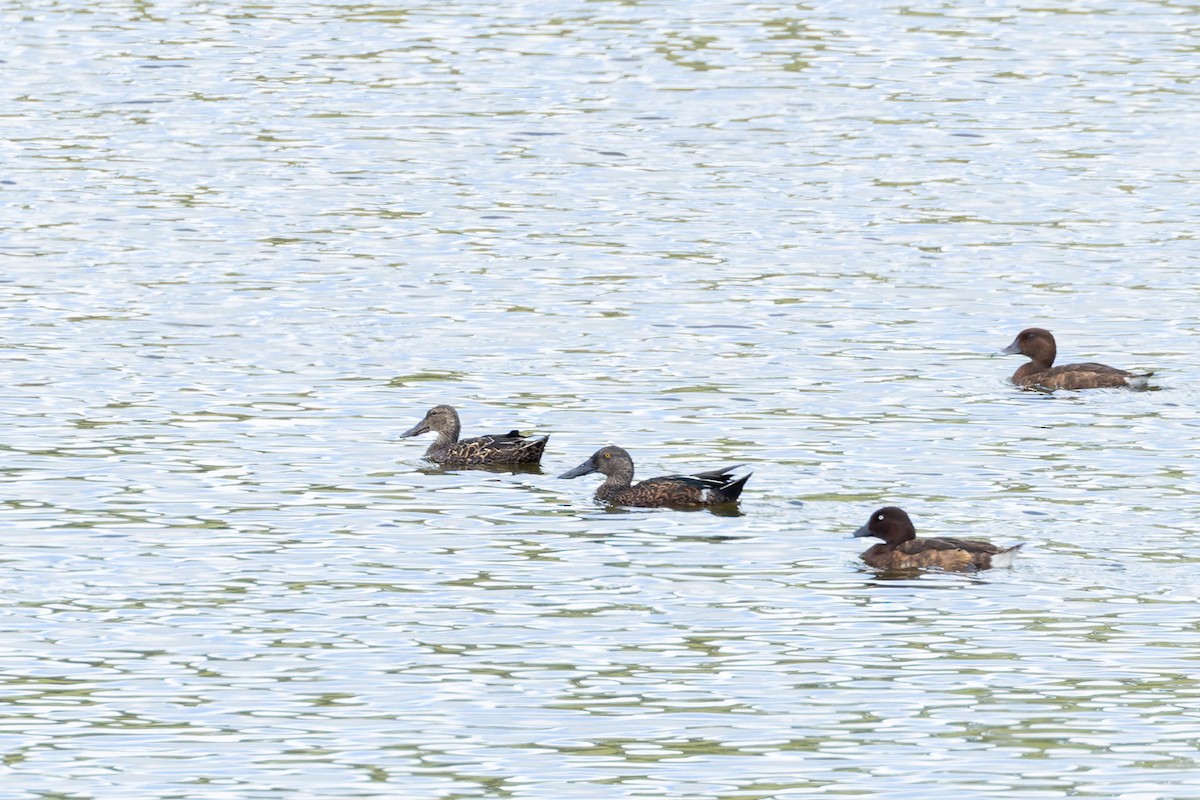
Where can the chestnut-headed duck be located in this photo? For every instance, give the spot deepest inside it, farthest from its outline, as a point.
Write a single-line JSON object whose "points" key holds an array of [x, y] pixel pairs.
{"points": [[1038, 345], [902, 550]]}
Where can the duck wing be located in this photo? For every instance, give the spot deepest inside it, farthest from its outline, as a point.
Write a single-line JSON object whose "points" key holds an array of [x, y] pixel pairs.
{"points": [[498, 447], [914, 546], [497, 441], [707, 488], [1087, 375]]}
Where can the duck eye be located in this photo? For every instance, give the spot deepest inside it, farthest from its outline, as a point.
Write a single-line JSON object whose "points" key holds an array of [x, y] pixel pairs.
{"points": [[879, 517], [608, 455]]}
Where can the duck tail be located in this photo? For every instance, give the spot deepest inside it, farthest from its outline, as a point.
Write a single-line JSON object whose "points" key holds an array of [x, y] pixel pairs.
{"points": [[1139, 381], [535, 448], [1005, 557], [732, 490]]}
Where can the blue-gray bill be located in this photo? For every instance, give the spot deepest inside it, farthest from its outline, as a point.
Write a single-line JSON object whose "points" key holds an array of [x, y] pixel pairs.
{"points": [[586, 468], [416, 430]]}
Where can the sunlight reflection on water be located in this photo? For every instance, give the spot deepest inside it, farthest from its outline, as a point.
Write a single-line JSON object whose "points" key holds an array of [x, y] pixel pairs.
{"points": [[246, 250]]}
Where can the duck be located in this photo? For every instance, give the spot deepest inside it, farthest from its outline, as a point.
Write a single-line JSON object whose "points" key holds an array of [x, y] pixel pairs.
{"points": [[1038, 345], [902, 550], [712, 488], [493, 449]]}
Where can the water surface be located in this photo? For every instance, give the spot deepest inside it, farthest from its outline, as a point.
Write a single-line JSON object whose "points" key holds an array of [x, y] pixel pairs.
{"points": [[246, 247]]}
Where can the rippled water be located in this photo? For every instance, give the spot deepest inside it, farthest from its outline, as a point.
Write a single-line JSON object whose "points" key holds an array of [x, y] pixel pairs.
{"points": [[246, 246]]}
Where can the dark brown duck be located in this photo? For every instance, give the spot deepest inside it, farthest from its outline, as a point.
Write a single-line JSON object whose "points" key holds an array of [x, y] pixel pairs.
{"points": [[680, 491], [901, 549], [1040, 373], [448, 449]]}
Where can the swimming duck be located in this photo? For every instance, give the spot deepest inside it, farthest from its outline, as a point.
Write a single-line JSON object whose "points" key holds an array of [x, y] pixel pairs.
{"points": [[682, 491], [448, 449], [1038, 345], [901, 549]]}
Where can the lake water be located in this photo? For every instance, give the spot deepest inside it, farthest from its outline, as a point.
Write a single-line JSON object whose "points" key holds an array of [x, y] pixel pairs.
{"points": [[244, 247]]}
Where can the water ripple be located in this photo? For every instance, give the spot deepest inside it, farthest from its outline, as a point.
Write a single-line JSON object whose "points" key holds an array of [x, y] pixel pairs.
{"points": [[246, 248]]}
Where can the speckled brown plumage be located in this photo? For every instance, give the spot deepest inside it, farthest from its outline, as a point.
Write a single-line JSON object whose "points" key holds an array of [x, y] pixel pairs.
{"points": [[712, 488], [1039, 346], [901, 549], [494, 449]]}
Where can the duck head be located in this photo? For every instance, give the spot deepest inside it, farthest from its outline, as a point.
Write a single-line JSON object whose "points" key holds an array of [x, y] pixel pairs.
{"points": [[1036, 344], [441, 419], [609, 460], [890, 524]]}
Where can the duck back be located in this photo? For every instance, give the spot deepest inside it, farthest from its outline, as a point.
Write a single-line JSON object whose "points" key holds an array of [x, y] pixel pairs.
{"points": [[501, 448], [702, 489], [1089, 375], [950, 554]]}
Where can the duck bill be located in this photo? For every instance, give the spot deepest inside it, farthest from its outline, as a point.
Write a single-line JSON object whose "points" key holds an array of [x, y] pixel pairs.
{"points": [[416, 430], [1013, 349], [863, 532], [583, 469]]}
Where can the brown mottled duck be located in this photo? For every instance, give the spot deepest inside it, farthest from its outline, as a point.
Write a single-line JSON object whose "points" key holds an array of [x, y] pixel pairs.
{"points": [[680, 491], [493, 449]]}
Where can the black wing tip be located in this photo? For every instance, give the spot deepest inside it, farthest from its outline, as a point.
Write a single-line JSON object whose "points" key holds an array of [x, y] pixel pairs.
{"points": [[730, 491], [734, 490], [722, 474]]}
